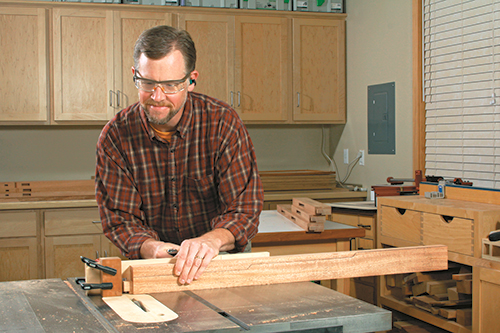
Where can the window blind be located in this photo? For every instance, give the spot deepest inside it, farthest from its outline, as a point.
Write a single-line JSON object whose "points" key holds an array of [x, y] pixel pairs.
{"points": [[461, 59]]}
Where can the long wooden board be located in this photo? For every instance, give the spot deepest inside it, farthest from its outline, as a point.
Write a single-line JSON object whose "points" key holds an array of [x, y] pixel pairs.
{"points": [[145, 279]]}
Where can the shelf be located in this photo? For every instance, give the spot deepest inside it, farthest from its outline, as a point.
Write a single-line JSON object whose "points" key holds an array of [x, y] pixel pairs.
{"points": [[410, 310]]}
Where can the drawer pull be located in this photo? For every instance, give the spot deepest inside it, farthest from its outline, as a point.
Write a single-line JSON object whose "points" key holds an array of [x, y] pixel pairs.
{"points": [[447, 218], [366, 226], [401, 211], [96, 222]]}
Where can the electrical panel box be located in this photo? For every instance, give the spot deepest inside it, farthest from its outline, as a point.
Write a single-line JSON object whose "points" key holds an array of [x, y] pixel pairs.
{"points": [[381, 119]]}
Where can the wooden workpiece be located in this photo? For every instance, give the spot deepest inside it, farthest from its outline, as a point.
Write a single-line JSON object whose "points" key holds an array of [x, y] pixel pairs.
{"points": [[307, 225], [154, 278]]}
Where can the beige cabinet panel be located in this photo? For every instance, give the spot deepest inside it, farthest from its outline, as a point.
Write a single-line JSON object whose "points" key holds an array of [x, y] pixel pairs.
{"points": [[261, 68], [19, 259], [319, 70], [213, 36], [62, 254], [23, 64], [128, 25], [93, 59], [243, 60], [17, 224], [486, 292], [75, 221], [83, 54], [402, 224], [454, 232]]}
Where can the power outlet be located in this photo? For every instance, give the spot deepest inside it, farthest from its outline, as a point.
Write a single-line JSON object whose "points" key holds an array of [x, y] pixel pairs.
{"points": [[346, 156], [362, 157]]}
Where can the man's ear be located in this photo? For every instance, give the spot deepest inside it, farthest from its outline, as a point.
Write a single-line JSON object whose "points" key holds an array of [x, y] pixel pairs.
{"points": [[133, 70], [192, 80]]}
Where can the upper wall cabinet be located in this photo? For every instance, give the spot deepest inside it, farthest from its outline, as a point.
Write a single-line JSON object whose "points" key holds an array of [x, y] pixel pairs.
{"points": [[93, 59], [319, 70], [244, 61], [23, 65]]}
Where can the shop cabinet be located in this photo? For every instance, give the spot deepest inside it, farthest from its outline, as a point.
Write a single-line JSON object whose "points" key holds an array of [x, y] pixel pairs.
{"points": [[364, 288], [93, 59], [460, 225], [319, 70], [244, 61], [18, 246], [23, 64], [69, 234]]}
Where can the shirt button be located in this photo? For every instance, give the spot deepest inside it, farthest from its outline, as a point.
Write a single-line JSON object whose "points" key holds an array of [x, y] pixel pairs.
{"points": [[176, 229], [175, 206], [172, 150], [172, 179]]}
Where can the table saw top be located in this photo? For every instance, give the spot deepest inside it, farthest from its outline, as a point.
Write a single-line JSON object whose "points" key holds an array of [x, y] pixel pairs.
{"points": [[53, 305]]}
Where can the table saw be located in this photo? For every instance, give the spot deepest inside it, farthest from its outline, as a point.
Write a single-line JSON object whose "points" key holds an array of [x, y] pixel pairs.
{"points": [[54, 305]]}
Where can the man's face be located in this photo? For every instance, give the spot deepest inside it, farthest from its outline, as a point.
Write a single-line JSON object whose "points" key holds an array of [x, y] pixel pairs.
{"points": [[164, 109]]}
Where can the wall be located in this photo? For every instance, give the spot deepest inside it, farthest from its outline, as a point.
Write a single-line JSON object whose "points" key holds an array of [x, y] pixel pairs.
{"points": [[68, 152], [378, 51]]}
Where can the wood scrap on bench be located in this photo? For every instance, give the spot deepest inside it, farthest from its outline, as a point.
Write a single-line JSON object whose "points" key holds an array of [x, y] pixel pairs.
{"points": [[309, 226], [156, 278]]}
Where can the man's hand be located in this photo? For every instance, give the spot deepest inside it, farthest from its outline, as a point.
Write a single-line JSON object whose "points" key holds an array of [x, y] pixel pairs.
{"points": [[152, 249], [195, 254]]}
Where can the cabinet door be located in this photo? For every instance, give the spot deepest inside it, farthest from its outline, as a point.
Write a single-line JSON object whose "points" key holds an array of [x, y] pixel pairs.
{"points": [[23, 64], [261, 68], [83, 64], [19, 259], [319, 70], [213, 36], [62, 254], [486, 292], [128, 25], [18, 246]]}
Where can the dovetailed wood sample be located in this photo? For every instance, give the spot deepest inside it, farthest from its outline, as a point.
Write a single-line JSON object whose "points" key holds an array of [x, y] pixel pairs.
{"points": [[286, 211], [292, 268], [312, 206]]}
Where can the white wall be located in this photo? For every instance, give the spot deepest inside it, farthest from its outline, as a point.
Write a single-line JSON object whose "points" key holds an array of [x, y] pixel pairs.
{"points": [[379, 50]]}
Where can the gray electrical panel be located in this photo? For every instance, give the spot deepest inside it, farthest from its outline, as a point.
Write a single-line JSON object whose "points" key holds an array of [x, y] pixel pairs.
{"points": [[381, 119]]}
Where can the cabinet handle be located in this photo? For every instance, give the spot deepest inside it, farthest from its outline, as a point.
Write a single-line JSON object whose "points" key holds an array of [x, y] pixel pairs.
{"points": [[232, 93], [118, 94], [366, 226], [298, 99], [97, 254], [96, 222], [239, 99], [111, 93]]}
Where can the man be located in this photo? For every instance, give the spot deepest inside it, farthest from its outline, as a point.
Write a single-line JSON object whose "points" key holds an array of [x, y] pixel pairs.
{"points": [[178, 169]]}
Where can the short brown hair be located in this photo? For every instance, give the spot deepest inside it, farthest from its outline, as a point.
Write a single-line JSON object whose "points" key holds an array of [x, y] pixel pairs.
{"points": [[157, 42]]}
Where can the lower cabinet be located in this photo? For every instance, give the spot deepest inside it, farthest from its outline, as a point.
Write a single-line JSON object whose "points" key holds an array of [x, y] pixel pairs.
{"points": [[486, 290], [69, 234], [364, 288], [19, 254]]}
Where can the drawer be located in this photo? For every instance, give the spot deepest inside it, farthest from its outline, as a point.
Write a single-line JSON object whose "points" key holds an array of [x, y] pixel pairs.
{"points": [[400, 223], [17, 224], [366, 222], [72, 222], [457, 233]]}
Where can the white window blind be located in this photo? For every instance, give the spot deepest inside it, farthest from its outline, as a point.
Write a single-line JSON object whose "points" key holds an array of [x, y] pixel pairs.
{"points": [[461, 84]]}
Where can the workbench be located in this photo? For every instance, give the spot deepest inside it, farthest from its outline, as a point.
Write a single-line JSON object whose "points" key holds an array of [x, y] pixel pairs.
{"points": [[53, 305]]}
